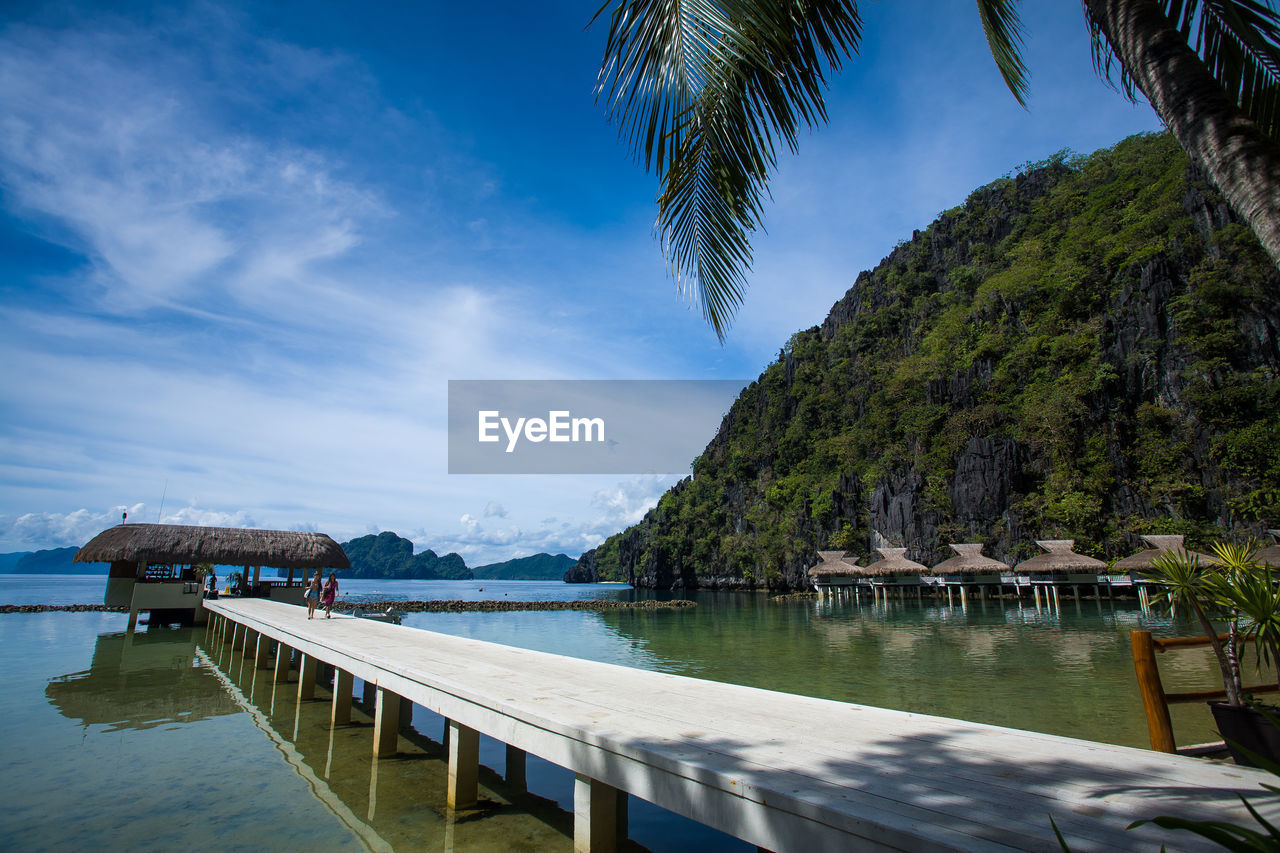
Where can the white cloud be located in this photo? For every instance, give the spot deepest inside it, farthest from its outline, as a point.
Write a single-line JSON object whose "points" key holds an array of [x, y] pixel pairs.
{"points": [[494, 510], [61, 530]]}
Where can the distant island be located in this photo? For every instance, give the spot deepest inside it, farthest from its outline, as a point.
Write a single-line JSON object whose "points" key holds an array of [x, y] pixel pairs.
{"points": [[52, 561], [539, 567]]}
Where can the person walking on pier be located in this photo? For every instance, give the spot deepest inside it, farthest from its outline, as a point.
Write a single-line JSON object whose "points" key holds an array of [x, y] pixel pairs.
{"points": [[330, 593], [313, 595]]}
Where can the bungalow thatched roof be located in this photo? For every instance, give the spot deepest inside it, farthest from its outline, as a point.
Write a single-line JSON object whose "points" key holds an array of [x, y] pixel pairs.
{"points": [[832, 564], [1059, 557], [182, 544], [1159, 545], [893, 561], [969, 558]]}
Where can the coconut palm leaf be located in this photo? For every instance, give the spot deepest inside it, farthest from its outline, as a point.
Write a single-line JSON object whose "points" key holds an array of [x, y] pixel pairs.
{"points": [[1237, 40], [703, 91], [1003, 29]]}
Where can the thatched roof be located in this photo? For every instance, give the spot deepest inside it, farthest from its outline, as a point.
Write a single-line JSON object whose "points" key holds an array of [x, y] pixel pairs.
{"points": [[832, 564], [1163, 544], [893, 561], [1059, 558], [182, 544], [969, 558]]}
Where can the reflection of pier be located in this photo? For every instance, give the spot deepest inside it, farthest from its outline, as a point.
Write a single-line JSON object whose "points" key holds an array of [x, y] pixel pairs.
{"points": [[781, 771], [140, 681]]}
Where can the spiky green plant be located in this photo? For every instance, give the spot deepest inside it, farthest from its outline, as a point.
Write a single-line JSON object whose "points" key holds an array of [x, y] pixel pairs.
{"points": [[1185, 582], [1251, 592]]}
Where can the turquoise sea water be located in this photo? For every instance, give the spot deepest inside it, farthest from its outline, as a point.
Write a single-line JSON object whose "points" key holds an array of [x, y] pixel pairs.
{"points": [[157, 740]]}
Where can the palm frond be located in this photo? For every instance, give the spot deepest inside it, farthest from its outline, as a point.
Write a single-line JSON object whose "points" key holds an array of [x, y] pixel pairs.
{"points": [[703, 91], [1003, 29], [1237, 40]]}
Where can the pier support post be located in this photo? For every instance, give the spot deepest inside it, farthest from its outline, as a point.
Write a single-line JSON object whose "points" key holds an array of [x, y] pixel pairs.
{"points": [[406, 712], [386, 723], [464, 766], [261, 652], [283, 654], [369, 693], [595, 816], [133, 621], [343, 682], [517, 761], [307, 677]]}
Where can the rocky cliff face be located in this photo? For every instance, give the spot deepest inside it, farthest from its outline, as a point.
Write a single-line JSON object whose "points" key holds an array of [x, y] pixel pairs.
{"points": [[1090, 350]]}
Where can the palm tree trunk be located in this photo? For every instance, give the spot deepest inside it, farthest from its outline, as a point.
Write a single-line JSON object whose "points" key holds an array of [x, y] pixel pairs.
{"points": [[1241, 160]]}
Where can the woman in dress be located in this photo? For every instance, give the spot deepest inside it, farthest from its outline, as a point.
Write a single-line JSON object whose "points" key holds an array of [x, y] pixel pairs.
{"points": [[313, 595], [330, 593]]}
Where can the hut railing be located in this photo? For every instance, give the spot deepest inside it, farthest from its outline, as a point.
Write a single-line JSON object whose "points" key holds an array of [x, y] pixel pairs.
{"points": [[1155, 700]]}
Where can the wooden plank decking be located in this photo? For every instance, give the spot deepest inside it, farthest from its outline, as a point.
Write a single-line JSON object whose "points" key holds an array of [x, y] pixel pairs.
{"points": [[781, 771]]}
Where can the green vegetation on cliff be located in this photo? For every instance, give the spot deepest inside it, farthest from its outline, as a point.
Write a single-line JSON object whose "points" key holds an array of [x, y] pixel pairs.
{"points": [[1087, 350], [387, 555]]}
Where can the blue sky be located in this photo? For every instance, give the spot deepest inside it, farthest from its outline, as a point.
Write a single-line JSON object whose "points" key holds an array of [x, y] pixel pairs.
{"points": [[246, 245]]}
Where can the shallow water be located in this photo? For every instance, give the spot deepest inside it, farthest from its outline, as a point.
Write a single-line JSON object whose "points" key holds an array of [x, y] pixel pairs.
{"points": [[161, 740]]}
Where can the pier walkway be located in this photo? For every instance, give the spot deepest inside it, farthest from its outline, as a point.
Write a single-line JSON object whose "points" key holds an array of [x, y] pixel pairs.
{"points": [[780, 771]]}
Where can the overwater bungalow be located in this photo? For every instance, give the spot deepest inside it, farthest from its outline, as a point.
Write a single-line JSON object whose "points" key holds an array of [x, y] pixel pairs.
{"points": [[1060, 566], [835, 576], [1128, 573], [971, 568], [153, 565], [894, 571]]}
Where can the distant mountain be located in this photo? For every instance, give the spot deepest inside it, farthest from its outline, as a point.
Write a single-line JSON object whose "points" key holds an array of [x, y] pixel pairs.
{"points": [[9, 562], [54, 561], [539, 567], [387, 555]]}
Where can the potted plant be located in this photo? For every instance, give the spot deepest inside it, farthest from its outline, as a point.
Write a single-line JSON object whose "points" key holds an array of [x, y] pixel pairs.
{"points": [[1241, 592]]}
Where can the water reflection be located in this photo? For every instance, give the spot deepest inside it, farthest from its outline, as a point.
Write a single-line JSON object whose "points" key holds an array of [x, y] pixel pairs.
{"points": [[1000, 662], [140, 681]]}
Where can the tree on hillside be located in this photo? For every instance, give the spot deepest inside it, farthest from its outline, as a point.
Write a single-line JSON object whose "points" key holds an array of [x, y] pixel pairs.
{"points": [[705, 91]]}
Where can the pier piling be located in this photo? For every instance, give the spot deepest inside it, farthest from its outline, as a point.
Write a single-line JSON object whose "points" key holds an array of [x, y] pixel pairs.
{"points": [[284, 654], [464, 766], [386, 723], [342, 686], [595, 816], [306, 677]]}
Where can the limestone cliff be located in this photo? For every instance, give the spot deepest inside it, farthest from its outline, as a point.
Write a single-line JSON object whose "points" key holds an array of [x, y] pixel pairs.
{"points": [[1090, 349]]}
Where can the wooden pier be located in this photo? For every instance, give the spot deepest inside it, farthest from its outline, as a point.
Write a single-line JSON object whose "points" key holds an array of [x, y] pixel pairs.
{"points": [[780, 771]]}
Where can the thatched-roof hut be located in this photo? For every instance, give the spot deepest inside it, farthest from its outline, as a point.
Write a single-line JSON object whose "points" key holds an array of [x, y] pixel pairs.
{"points": [[1162, 544], [835, 574], [893, 561], [182, 544], [969, 559], [1059, 557], [832, 564], [146, 561]]}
